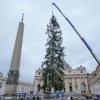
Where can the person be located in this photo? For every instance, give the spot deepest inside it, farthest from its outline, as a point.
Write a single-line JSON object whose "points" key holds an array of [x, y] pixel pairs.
{"points": [[38, 98], [21, 98], [33, 97], [71, 98]]}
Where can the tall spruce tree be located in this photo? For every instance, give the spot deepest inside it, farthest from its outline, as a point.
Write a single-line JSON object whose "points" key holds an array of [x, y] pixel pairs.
{"points": [[54, 59]]}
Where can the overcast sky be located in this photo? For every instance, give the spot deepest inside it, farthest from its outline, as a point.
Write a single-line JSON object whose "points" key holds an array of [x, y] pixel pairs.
{"points": [[84, 14]]}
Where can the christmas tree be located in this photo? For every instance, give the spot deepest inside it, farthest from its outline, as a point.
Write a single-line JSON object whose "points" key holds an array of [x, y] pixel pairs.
{"points": [[53, 76]]}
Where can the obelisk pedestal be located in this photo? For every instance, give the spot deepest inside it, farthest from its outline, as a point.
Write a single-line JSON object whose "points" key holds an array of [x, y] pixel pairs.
{"points": [[13, 75]]}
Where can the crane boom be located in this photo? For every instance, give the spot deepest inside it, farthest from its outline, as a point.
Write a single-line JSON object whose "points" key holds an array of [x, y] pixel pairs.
{"points": [[83, 40]]}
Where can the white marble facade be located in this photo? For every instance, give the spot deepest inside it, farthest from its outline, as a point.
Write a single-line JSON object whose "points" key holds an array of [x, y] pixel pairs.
{"points": [[2, 84], [38, 82], [75, 79]]}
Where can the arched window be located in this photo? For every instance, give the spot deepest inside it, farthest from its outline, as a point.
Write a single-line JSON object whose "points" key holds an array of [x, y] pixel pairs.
{"points": [[39, 73], [38, 87]]}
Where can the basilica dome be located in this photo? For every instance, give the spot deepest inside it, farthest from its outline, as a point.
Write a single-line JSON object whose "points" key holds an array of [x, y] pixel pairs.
{"points": [[66, 66]]}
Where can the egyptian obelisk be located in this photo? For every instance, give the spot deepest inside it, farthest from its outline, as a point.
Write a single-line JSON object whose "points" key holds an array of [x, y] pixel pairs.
{"points": [[13, 75]]}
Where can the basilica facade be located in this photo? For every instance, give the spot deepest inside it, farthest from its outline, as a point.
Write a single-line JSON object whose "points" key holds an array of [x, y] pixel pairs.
{"points": [[76, 80]]}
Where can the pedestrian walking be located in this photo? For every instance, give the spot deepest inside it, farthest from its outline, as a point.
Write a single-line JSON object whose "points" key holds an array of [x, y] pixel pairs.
{"points": [[71, 98], [33, 97]]}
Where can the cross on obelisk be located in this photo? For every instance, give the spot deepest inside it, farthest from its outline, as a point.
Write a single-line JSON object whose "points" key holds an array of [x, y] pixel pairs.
{"points": [[13, 75]]}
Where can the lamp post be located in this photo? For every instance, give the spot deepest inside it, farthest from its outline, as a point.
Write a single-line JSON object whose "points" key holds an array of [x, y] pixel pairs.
{"points": [[47, 80]]}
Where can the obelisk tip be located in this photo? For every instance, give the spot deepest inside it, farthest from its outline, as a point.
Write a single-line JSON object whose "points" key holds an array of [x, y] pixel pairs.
{"points": [[22, 17]]}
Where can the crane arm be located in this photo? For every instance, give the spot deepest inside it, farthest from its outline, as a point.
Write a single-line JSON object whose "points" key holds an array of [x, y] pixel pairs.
{"points": [[83, 40]]}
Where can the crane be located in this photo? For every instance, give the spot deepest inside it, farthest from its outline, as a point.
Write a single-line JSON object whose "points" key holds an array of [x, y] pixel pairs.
{"points": [[83, 40]]}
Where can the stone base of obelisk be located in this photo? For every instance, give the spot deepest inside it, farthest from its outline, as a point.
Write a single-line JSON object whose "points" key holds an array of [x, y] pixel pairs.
{"points": [[9, 98], [10, 90], [11, 86]]}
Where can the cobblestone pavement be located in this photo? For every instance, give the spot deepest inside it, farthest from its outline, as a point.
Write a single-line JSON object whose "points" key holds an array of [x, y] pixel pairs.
{"points": [[65, 98], [75, 97]]}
